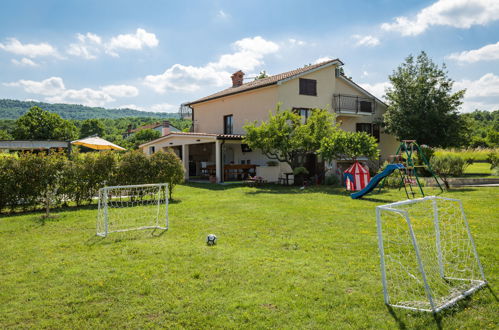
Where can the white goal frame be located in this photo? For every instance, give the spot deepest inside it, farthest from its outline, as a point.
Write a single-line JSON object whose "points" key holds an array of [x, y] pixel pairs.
{"points": [[428, 257], [152, 215]]}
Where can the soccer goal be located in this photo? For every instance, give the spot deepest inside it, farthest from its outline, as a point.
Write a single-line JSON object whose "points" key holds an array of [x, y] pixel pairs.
{"points": [[428, 256], [124, 208]]}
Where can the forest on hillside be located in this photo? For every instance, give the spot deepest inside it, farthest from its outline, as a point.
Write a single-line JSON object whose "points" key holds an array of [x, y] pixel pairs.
{"points": [[13, 109]]}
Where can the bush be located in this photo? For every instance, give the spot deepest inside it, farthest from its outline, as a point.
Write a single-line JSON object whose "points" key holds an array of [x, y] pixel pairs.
{"points": [[493, 159], [332, 180], [391, 181], [133, 168], [33, 180], [167, 167], [448, 166]]}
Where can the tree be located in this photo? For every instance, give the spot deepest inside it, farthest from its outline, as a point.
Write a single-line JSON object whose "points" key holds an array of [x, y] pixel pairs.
{"points": [[349, 146], [91, 127], [287, 138], [144, 136], [421, 104], [167, 167], [261, 75], [38, 124], [4, 135]]}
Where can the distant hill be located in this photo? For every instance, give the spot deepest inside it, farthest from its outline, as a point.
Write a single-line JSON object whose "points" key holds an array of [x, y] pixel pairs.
{"points": [[13, 109]]}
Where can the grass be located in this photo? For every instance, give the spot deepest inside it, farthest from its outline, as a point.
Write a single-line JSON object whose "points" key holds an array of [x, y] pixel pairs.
{"points": [[479, 170], [478, 154], [285, 258]]}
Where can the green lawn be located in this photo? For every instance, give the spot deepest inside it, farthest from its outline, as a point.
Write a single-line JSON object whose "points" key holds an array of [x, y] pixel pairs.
{"points": [[479, 170], [286, 258]]}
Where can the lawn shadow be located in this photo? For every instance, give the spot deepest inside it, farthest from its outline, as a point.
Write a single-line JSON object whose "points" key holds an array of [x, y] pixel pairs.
{"points": [[492, 292], [281, 189], [378, 200], [412, 319], [132, 235], [214, 186], [41, 220]]}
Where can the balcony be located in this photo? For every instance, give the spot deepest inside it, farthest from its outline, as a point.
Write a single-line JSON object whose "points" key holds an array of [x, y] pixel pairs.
{"points": [[353, 105]]}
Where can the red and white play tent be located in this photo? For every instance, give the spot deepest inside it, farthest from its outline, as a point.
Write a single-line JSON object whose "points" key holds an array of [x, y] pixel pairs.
{"points": [[356, 177]]}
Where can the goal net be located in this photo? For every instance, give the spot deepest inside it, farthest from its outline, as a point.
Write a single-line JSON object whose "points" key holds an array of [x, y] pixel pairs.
{"points": [[428, 256], [124, 208]]}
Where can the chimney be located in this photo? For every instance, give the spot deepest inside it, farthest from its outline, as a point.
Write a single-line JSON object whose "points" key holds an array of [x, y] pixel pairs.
{"points": [[166, 128], [237, 78]]}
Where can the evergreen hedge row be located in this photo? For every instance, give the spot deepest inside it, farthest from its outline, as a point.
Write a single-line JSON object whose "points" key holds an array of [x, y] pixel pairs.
{"points": [[29, 181]]}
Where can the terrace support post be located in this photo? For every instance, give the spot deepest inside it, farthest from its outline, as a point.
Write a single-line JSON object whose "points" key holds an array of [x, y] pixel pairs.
{"points": [[185, 160], [218, 161]]}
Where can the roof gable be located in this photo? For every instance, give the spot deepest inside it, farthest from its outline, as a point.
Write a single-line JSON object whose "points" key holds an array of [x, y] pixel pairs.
{"points": [[272, 80]]}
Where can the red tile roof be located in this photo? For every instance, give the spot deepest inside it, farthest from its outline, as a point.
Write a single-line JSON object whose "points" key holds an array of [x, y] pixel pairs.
{"points": [[216, 136], [272, 80]]}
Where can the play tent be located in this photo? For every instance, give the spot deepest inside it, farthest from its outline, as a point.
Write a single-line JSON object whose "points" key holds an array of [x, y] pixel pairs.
{"points": [[356, 177]]}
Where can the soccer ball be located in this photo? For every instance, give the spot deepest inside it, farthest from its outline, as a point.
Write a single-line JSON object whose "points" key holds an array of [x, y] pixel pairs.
{"points": [[211, 239]]}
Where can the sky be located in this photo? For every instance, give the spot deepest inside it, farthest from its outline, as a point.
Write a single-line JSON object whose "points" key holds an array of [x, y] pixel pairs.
{"points": [[155, 55]]}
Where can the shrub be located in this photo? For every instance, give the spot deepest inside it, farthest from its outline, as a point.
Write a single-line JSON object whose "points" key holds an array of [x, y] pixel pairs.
{"points": [[133, 168], [332, 180], [31, 180], [167, 167], [391, 181], [448, 166], [7, 182], [493, 159]]}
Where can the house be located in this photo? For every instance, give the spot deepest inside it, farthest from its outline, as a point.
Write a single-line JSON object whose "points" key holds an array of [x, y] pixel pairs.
{"points": [[163, 127], [215, 145], [34, 145]]}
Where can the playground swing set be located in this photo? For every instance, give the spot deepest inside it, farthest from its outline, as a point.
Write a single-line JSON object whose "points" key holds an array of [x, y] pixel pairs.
{"points": [[404, 162]]}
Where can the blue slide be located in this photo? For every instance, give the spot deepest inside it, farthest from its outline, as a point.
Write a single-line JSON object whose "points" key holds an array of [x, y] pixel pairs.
{"points": [[375, 181]]}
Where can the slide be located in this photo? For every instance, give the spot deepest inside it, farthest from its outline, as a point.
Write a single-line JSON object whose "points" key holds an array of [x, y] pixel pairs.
{"points": [[375, 180]]}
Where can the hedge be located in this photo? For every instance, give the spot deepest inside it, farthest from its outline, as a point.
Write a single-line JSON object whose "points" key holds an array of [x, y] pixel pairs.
{"points": [[29, 181]]}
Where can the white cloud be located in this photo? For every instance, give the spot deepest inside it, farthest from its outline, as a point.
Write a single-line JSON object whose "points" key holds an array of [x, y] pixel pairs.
{"points": [[482, 94], [88, 46], [85, 96], [456, 13], [486, 53], [30, 50], [295, 42], [164, 107], [222, 14], [377, 89], [121, 90], [160, 107], [55, 91], [48, 87], [323, 59], [24, 62], [136, 41], [486, 86], [249, 54], [368, 41]]}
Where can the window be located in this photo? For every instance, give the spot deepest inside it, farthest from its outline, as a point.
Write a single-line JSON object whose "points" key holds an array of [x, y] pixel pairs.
{"points": [[304, 114], [228, 124], [308, 87], [152, 150], [371, 129], [365, 106]]}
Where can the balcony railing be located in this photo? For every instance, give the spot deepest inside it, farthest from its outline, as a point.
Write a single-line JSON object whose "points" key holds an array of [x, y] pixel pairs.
{"points": [[348, 104]]}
